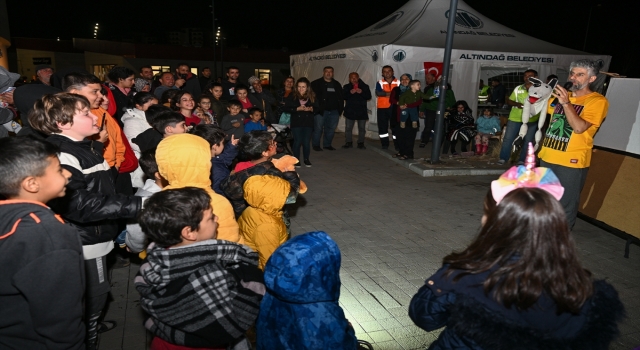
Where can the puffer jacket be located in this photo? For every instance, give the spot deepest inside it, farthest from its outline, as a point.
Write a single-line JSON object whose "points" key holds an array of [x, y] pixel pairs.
{"points": [[135, 122], [300, 309], [261, 224], [184, 160], [91, 202], [476, 321]]}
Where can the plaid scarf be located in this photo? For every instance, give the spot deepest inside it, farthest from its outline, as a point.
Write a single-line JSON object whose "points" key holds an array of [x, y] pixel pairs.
{"points": [[206, 294]]}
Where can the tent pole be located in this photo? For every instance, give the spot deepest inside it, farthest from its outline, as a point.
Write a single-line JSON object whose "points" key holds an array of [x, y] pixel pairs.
{"points": [[438, 129]]}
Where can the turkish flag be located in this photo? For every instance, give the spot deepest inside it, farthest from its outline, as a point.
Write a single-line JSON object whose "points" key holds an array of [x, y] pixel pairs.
{"points": [[434, 68]]}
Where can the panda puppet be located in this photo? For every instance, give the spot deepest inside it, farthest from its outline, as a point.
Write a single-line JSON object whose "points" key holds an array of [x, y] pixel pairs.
{"points": [[536, 102]]}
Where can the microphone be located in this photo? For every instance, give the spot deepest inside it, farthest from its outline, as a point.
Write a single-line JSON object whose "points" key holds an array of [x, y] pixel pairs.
{"points": [[566, 86]]}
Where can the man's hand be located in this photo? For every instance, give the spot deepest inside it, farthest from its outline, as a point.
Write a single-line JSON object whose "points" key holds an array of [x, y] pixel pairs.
{"points": [[561, 93], [353, 91], [180, 82], [359, 90], [404, 106]]}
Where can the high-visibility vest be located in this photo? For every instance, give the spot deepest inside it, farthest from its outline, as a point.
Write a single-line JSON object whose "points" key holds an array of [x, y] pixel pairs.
{"points": [[383, 101]]}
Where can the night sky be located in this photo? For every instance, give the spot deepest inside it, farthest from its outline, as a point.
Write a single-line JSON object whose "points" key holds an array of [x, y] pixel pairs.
{"points": [[306, 25]]}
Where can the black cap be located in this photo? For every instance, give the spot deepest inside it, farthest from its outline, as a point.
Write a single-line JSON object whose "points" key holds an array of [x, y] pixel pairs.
{"points": [[42, 66]]}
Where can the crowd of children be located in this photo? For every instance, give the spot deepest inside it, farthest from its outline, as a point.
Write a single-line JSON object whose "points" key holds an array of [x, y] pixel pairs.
{"points": [[218, 254]]}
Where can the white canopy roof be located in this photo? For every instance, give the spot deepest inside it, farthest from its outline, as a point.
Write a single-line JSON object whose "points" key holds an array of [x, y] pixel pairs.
{"points": [[423, 23]]}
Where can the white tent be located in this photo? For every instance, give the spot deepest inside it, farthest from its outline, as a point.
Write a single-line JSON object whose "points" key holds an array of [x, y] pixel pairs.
{"points": [[412, 39]]}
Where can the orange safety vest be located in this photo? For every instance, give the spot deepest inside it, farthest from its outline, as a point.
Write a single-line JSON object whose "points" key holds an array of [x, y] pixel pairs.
{"points": [[383, 101]]}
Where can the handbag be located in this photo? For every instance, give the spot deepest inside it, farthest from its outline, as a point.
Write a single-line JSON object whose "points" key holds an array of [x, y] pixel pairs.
{"points": [[285, 118]]}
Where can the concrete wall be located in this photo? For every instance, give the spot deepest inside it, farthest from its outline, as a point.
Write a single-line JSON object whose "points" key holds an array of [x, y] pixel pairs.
{"points": [[59, 60]]}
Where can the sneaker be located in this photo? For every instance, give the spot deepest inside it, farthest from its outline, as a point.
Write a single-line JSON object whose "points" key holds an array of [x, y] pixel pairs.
{"points": [[361, 146], [348, 145], [414, 124], [501, 162], [402, 124], [317, 148], [329, 148], [422, 145], [297, 165], [307, 163]]}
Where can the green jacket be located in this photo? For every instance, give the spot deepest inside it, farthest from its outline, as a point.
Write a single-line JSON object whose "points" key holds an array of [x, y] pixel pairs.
{"points": [[450, 100], [408, 97]]}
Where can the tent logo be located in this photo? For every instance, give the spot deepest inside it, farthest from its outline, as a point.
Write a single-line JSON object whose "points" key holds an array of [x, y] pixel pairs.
{"points": [[467, 19], [399, 55], [385, 22], [374, 55]]}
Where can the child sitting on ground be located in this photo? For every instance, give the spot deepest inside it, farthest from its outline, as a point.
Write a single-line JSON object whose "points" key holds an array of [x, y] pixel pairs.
{"points": [[199, 291], [487, 125], [185, 160], [519, 284], [259, 147], [222, 155], [233, 123], [42, 275], [300, 309], [90, 202], [411, 96], [261, 223], [135, 239], [256, 122]]}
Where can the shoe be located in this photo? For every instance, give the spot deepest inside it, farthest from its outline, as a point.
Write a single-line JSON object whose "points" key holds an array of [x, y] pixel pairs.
{"points": [[422, 145], [121, 262], [106, 326], [501, 162], [348, 145], [297, 165], [402, 124], [329, 148], [361, 146], [414, 124], [317, 148], [478, 150], [307, 163]]}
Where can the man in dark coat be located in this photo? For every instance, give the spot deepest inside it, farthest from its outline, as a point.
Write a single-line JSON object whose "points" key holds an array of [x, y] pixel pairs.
{"points": [[356, 94], [329, 94], [187, 81]]}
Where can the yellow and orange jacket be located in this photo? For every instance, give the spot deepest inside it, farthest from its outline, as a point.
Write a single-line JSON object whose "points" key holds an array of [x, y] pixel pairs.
{"points": [[114, 148]]}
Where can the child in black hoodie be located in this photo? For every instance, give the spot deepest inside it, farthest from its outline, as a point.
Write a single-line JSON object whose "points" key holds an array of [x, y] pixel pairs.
{"points": [[42, 281]]}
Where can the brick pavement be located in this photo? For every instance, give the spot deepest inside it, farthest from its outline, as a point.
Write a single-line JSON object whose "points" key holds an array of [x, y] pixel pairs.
{"points": [[393, 228]]}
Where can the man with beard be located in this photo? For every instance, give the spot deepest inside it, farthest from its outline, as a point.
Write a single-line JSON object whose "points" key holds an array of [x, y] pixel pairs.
{"points": [[167, 82], [575, 119], [329, 95], [229, 85], [204, 78], [266, 99], [187, 81], [43, 74]]}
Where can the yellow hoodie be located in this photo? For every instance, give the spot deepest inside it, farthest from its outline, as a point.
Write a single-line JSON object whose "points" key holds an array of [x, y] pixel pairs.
{"points": [[184, 160], [261, 223]]}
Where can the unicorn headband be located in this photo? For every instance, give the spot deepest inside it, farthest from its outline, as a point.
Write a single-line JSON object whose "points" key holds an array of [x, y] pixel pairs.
{"points": [[527, 176]]}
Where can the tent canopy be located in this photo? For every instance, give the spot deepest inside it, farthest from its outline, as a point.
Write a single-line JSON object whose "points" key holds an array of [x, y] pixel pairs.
{"points": [[424, 24]]}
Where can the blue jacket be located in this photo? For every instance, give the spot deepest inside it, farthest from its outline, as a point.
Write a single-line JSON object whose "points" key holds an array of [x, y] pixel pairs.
{"points": [[487, 125], [476, 321], [300, 309], [220, 166]]}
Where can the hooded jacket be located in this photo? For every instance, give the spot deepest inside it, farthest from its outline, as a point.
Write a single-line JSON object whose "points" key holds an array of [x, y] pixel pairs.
{"points": [[184, 160], [261, 224], [474, 320], [91, 202], [300, 309], [114, 148], [41, 279]]}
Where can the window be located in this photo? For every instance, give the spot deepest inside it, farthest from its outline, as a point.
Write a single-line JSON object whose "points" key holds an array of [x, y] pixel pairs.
{"points": [[194, 70], [101, 70], [264, 75], [160, 69]]}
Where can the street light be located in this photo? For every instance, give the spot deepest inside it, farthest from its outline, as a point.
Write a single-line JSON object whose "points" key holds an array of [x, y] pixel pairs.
{"points": [[95, 31], [586, 32]]}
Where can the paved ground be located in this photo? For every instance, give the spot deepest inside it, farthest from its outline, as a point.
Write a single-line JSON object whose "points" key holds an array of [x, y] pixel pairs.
{"points": [[393, 228]]}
